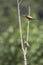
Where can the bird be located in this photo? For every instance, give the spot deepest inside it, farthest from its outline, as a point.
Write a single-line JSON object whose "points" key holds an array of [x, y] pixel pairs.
{"points": [[26, 44], [29, 17]]}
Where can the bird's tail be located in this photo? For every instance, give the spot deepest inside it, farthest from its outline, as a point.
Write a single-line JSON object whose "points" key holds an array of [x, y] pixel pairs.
{"points": [[35, 19]]}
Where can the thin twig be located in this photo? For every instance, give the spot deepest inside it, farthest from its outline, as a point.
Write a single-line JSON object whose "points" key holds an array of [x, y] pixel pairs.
{"points": [[20, 1], [27, 38], [20, 26], [25, 63], [29, 10], [28, 26]]}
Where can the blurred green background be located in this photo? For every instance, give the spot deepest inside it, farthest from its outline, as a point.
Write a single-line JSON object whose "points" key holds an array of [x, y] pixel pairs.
{"points": [[10, 48]]}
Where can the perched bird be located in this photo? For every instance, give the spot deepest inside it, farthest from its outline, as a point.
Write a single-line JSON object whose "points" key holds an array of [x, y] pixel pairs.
{"points": [[29, 17], [27, 44]]}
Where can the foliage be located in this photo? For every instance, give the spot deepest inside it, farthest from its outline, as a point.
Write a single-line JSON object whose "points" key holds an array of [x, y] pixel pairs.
{"points": [[10, 47]]}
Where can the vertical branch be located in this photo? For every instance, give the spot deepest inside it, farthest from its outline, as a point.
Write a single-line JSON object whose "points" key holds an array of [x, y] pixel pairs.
{"points": [[28, 25], [25, 63], [29, 10], [20, 26], [27, 38]]}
